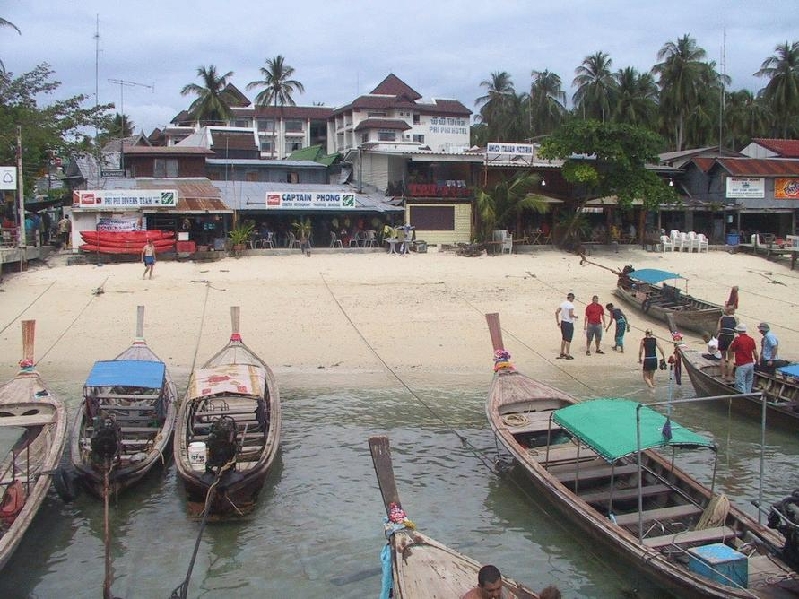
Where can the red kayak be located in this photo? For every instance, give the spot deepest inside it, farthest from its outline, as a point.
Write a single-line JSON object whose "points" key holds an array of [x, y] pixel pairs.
{"points": [[134, 236], [159, 243], [132, 251]]}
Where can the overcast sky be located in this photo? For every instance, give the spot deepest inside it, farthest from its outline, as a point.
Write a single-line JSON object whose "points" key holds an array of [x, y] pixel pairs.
{"points": [[441, 48]]}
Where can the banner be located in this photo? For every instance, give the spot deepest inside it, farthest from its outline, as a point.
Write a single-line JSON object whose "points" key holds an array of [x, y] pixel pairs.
{"points": [[337, 201], [125, 199], [745, 187], [119, 223], [786, 189]]}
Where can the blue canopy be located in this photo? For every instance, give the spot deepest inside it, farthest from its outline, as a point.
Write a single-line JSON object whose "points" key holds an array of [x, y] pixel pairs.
{"points": [[127, 373], [790, 370], [653, 276]]}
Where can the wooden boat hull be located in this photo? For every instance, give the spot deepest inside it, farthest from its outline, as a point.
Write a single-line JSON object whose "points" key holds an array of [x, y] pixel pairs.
{"points": [[27, 403], [258, 437], [782, 394], [143, 448], [696, 315]]}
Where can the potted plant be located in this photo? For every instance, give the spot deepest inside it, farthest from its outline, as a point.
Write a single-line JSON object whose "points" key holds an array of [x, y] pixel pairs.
{"points": [[303, 228], [240, 235]]}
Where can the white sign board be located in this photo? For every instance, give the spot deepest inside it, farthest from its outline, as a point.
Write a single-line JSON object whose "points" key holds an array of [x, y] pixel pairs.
{"points": [[745, 187], [337, 201], [515, 149], [125, 199], [8, 177]]}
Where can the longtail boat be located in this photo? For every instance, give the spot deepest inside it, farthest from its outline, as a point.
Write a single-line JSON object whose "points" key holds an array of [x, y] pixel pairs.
{"points": [[647, 291], [124, 425], [596, 462], [421, 567], [38, 420], [228, 430]]}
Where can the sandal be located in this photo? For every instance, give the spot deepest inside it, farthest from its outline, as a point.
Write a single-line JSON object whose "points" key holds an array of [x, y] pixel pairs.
{"points": [[587, 353], [599, 351], [568, 357]]}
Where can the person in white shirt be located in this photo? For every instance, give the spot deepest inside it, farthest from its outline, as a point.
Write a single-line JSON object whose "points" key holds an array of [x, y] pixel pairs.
{"points": [[565, 319], [713, 352]]}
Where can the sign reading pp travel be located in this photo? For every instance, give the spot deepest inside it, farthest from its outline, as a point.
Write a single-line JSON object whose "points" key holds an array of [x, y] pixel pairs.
{"points": [[125, 199], [315, 201]]}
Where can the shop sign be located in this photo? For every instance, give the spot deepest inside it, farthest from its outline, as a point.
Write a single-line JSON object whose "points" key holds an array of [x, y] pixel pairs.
{"points": [[8, 177], [746, 187], [515, 149], [119, 223], [125, 199], [310, 201], [786, 189]]}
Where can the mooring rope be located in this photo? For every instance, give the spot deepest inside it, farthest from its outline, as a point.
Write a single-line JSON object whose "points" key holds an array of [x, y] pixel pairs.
{"points": [[25, 309]]}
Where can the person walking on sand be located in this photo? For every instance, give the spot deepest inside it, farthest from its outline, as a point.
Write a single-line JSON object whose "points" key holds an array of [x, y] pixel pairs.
{"points": [[148, 257], [647, 355], [744, 349], [594, 323], [622, 326], [565, 317]]}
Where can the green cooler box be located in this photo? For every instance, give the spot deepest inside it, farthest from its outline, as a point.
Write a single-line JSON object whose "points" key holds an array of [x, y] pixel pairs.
{"points": [[720, 563]]}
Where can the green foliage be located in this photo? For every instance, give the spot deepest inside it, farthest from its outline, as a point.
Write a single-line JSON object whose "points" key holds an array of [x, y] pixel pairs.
{"points": [[501, 206], [214, 96], [242, 233], [303, 228]]}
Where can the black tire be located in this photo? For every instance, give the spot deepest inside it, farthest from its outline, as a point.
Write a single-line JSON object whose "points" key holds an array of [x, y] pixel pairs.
{"points": [[65, 482]]}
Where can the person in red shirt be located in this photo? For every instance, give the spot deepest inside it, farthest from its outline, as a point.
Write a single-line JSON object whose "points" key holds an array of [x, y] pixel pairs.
{"points": [[594, 324], [744, 349]]}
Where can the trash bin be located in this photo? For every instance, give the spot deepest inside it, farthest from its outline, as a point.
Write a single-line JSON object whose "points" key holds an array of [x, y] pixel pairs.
{"points": [[733, 239], [421, 246]]}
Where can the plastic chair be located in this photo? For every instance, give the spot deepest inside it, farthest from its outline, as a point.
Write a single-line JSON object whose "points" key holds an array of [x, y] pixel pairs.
{"points": [[371, 238], [507, 244], [676, 239], [267, 242], [666, 243], [335, 242], [293, 241], [702, 243], [356, 239]]}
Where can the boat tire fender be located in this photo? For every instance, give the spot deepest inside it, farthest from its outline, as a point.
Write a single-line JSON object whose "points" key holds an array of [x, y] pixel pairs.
{"points": [[65, 482], [646, 305]]}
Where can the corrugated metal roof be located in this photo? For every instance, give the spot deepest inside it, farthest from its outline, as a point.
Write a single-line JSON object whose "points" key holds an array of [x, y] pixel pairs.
{"points": [[786, 148], [162, 150], [383, 124], [758, 167]]}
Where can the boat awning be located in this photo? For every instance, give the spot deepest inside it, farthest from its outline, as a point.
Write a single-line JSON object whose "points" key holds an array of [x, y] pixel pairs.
{"points": [[790, 370], [235, 379], [608, 426], [127, 373], [653, 275]]}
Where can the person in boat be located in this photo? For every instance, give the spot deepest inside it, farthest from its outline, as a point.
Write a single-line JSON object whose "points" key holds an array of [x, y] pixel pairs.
{"points": [[647, 356], [565, 318], [744, 349], [713, 352], [725, 333], [594, 323], [622, 326], [148, 257], [489, 584], [550, 592], [769, 346]]}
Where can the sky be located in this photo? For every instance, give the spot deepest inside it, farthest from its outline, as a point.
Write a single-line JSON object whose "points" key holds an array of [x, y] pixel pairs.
{"points": [[340, 50]]}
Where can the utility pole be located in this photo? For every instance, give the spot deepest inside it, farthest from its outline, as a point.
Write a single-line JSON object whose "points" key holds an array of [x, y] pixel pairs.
{"points": [[122, 84], [22, 241]]}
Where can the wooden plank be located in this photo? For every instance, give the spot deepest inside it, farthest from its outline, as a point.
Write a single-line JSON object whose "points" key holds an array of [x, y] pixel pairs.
{"points": [[596, 472], [381, 458], [624, 494], [39, 419], [565, 453], [663, 513], [126, 408], [692, 537], [132, 396]]}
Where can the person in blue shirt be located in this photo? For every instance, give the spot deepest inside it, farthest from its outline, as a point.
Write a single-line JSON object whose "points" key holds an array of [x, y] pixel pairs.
{"points": [[769, 347]]}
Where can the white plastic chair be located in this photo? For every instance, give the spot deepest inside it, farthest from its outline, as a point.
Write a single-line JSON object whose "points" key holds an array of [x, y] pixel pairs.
{"points": [[676, 240], [693, 243], [666, 243], [371, 238], [293, 241], [685, 242], [507, 244], [702, 243], [335, 242]]}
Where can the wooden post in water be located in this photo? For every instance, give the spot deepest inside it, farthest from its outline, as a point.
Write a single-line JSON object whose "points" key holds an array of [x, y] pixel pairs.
{"points": [[495, 329], [381, 458], [28, 335], [139, 322], [234, 320], [107, 526]]}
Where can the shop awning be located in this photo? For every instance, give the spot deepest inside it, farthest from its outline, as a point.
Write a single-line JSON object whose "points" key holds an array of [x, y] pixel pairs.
{"points": [[195, 206]]}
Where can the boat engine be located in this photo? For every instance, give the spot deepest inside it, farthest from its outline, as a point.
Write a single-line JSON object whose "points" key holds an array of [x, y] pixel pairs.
{"points": [[222, 442], [105, 438], [784, 517]]}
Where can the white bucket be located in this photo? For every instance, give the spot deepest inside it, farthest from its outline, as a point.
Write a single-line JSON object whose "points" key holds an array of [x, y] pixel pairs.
{"points": [[197, 456]]}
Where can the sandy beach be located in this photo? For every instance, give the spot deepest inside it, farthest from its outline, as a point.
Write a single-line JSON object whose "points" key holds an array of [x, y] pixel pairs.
{"points": [[364, 320]]}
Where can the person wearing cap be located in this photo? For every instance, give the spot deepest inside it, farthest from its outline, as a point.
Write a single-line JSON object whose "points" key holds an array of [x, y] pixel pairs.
{"points": [[565, 318], [725, 333], [594, 323], [744, 349], [647, 356], [769, 346]]}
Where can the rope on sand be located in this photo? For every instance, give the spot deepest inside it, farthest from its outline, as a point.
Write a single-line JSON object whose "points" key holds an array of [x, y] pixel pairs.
{"points": [[25, 309]]}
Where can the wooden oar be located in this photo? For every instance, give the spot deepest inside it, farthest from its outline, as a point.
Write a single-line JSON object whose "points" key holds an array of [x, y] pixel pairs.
{"points": [[495, 330], [381, 458]]}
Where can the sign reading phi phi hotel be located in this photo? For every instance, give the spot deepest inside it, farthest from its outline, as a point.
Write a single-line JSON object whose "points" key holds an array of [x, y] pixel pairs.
{"points": [[314, 201], [125, 199]]}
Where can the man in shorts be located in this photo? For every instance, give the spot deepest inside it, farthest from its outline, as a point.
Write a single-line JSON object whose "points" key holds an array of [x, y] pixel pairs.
{"points": [[594, 323], [565, 317]]}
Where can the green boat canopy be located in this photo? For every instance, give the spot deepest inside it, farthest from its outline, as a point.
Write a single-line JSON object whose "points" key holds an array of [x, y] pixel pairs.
{"points": [[608, 426]]}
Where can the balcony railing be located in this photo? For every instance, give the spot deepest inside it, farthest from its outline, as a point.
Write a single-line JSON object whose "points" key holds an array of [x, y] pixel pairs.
{"points": [[430, 190]]}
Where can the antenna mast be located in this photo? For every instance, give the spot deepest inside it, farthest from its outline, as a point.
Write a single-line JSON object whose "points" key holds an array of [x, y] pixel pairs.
{"points": [[722, 99], [122, 83]]}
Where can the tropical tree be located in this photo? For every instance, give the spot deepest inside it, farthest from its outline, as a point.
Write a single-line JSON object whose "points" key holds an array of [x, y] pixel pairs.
{"points": [[547, 104], [596, 87], [702, 124], [278, 87], [636, 98], [4, 23], [782, 90], [679, 75], [503, 204], [745, 117], [214, 97], [500, 108]]}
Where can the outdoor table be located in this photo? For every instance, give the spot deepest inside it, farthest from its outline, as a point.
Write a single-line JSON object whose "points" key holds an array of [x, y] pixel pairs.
{"points": [[393, 245]]}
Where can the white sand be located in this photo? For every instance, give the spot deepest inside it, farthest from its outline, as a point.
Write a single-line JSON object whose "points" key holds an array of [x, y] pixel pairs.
{"points": [[351, 320]]}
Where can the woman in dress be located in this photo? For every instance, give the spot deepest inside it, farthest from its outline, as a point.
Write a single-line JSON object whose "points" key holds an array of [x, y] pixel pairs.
{"points": [[622, 326]]}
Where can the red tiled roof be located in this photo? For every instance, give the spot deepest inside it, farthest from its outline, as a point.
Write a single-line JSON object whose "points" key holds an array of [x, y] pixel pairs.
{"points": [[786, 148], [232, 140], [383, 124], [394, 86], [444, 107], [760, 167], [287, 112]]}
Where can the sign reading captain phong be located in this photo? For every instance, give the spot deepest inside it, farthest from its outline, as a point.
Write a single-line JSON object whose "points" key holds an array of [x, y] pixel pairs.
{"points": [[310, 200]]}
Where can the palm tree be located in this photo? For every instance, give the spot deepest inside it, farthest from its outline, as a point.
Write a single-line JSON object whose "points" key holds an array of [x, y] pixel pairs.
{"points": [[636, 98], [782, 90], [278, 87], [547, 105], [214, 97], [4, 23], [596, 87], [745, 117], [500, 108], [503, 204], [679, 74]]}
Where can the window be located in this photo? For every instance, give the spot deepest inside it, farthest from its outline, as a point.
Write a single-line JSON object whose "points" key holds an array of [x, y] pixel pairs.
{"points": [[418, 139], [293, 126], [375, 113], [293, 145], [365, 137], [417, 119], [241, 122], [265, 124], [165, 169], [386, 135], [292, 177], [266, 145]]}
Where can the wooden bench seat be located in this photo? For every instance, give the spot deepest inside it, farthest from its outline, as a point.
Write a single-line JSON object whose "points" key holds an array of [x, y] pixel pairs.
{"points": [[623, 494], [692, 537], [568, 452], [133, 397], [131, 429], [663, 513], [225, 413], [595, 472]]}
